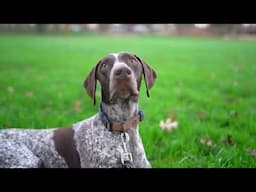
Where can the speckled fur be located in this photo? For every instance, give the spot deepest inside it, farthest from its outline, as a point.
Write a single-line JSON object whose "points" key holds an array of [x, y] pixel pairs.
{"points": [[105, 149], [97, 147], [23, 148]]}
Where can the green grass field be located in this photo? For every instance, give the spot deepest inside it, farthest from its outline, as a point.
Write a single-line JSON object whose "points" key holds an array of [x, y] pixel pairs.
{"points": [[208, 85]]}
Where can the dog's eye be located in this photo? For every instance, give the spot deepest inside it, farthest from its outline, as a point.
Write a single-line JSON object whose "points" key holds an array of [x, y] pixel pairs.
{"points": [[104, 65], [133, 61]]}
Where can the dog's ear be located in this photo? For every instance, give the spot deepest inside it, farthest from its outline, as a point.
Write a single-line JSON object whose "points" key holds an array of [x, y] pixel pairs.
{"points": [[149, 74], [90, 83]]}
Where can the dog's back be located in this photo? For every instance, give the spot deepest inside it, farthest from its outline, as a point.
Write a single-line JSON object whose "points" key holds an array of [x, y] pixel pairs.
{"points": [[28, 148]]}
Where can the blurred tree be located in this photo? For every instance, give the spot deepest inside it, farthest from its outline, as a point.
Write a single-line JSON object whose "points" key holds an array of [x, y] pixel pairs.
{"points": [[104, 27], [182, 28], [222, 29], [42, 28], [129, 27]]}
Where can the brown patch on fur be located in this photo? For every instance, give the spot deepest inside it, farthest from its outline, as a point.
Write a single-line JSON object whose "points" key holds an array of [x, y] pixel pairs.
{"points": [[65, 146]]}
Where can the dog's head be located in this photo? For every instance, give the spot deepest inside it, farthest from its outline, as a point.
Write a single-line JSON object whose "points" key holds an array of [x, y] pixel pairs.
{"points": [[120, 76]]}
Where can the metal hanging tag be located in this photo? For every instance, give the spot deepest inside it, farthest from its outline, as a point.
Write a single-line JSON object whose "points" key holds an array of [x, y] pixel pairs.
{"points": [[126, 158]]}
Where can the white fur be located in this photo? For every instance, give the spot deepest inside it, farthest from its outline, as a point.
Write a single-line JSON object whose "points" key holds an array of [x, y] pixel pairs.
{"points": [[118, 64]]}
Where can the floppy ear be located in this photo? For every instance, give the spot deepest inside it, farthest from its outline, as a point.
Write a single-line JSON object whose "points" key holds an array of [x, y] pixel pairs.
{"points": [[90, 83], [149, 74]]}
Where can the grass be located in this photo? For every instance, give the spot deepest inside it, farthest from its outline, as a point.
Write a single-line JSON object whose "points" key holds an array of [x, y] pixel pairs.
{"points": [[207, 84]]}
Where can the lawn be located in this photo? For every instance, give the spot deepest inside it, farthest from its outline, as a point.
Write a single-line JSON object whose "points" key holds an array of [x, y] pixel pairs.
{"points": [[207, 85]]}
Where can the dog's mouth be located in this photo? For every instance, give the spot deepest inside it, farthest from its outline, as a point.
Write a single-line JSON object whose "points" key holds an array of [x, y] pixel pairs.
{"points": [[124, 89]]}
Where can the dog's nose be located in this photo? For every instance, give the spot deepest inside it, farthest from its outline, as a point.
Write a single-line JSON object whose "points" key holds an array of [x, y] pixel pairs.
{"points": [[123, 72]]}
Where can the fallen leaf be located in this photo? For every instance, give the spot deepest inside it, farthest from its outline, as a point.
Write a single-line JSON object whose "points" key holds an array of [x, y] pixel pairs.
{"points": [[29, 94], [234, 114], [252, 152], [10, 89], [227, 139], [229, 100], [77, 106], [208, 142], [202, 115], [203, 141], [168, 125]]}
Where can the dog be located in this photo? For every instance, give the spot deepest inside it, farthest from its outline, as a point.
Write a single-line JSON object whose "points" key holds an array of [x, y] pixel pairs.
{"points": [[108, 139]]}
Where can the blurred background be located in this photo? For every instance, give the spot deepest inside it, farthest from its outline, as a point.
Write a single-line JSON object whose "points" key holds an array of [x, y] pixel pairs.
{"points": [[199, 30], [202, 108]]}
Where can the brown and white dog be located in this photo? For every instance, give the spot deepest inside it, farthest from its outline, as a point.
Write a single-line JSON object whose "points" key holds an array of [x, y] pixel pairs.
{"points": [[109, 139]]}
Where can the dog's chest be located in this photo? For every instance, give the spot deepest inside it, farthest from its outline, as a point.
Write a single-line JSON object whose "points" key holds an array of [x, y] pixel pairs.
{"points": [[98, 147]]}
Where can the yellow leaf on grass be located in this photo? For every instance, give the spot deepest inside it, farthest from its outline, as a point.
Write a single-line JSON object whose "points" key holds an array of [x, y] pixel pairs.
{"points": [[251, 151], [29, 94], [208, 142], [77, 106]]}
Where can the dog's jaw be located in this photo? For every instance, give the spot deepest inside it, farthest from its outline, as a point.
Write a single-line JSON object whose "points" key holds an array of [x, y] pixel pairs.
{"points": [[121, 110]]}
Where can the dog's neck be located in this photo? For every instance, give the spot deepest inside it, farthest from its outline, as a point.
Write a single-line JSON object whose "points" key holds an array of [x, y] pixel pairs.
{"points": [[121, 110]]}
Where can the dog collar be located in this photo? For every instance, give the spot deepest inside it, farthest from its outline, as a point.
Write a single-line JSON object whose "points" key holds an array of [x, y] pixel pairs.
{"points": [[120, 125]]}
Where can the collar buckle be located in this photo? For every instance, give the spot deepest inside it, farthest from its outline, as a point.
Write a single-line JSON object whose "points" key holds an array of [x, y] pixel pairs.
{"points": [[141, 114]]}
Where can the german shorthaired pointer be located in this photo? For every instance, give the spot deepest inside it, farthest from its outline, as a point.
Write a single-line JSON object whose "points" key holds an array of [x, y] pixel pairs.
{"points": [[109, 139]]}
